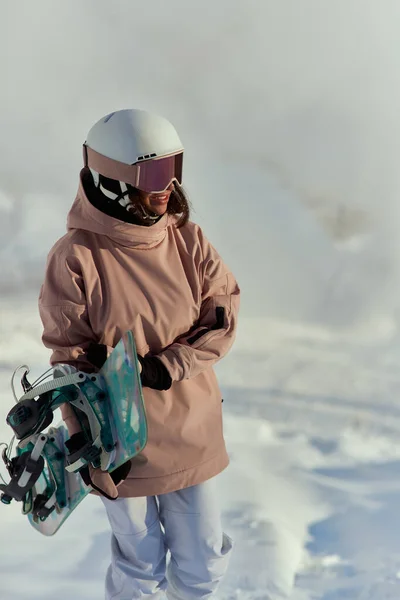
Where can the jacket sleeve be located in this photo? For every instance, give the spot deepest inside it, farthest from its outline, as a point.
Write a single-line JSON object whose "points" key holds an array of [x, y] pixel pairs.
{"points": [[63, 311], [214, 333]]}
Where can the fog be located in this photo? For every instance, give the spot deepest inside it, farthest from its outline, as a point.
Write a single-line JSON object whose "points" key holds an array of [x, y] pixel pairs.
{"points": [[289, 116]]}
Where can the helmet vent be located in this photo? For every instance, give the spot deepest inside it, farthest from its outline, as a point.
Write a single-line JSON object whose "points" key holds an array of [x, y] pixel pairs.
{"points": [[146, 156]]}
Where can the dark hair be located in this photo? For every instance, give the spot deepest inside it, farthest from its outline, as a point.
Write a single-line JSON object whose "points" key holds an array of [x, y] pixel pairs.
{"points": [[178, 204]]}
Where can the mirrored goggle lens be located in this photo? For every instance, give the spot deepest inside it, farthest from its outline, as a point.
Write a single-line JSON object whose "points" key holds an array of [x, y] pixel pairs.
{"points": [[152, 175], [155, 175]]}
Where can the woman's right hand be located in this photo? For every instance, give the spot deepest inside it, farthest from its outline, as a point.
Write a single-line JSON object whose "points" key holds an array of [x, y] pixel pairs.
{"points": [[103, 483]]}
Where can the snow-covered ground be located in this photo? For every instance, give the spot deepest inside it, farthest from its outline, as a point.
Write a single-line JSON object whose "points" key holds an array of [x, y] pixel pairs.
{"points": [[289, 116], [311, 496]]}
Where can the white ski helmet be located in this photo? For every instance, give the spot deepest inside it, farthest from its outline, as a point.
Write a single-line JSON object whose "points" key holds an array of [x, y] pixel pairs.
{"points": [[135, 147]]}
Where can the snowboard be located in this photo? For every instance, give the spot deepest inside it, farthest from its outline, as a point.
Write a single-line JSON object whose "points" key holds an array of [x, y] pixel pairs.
{"points": [[120, 378]]}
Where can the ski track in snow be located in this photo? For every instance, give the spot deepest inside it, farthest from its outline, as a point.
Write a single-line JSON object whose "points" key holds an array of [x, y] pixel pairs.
{"points": [[311, 496]]}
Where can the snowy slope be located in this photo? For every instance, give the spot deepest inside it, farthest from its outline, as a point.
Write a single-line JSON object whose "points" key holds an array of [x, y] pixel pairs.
{"points": [[311, 495]]}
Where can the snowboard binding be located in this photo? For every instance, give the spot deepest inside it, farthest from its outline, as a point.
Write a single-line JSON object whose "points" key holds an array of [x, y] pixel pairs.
{"points": [[43, 457], [43, 460], [50, 470]]}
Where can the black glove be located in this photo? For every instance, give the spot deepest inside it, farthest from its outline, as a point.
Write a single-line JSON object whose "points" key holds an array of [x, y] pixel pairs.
{"points": [[97, 354], [154, 374]]}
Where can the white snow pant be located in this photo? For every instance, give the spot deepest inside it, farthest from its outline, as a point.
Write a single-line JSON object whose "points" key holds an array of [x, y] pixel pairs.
{"points": [[187, 523]]}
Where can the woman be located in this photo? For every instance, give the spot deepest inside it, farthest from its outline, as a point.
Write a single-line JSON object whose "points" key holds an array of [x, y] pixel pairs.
{"points": [[132, 260]]}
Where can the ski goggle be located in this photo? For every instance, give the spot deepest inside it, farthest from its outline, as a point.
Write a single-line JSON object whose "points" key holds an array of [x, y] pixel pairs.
{"points": [[151, 175]]}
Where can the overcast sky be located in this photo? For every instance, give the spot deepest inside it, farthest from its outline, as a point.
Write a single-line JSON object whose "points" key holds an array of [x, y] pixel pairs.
{"points": [[289, 115]]}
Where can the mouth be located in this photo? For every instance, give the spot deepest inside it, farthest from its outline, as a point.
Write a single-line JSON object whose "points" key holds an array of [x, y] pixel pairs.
{"points": [[159, 199]]}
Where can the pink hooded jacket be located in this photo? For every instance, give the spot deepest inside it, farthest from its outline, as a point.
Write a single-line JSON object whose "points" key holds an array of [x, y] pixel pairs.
{"points": [[168, 286]]}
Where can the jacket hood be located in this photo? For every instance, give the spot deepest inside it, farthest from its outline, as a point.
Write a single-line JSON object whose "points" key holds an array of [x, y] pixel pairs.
{"points": [[83, 215]]}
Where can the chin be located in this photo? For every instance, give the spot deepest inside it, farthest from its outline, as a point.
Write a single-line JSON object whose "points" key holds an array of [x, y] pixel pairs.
{"points": [[159, 210]]}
